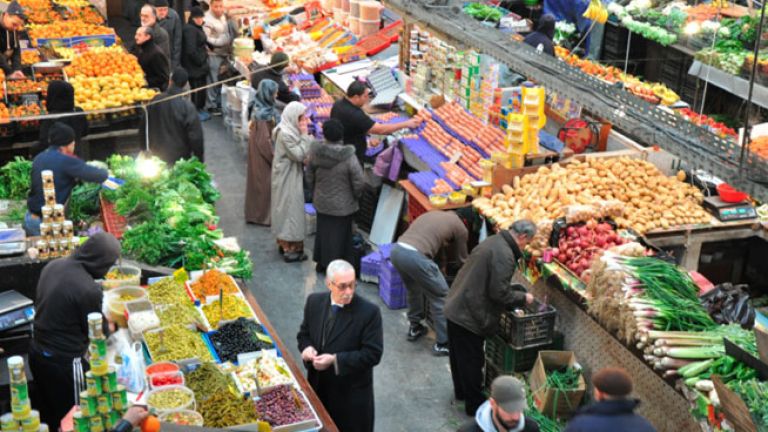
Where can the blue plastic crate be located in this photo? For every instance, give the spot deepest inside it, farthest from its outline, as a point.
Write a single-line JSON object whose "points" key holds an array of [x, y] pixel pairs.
{"points": [[385, 249], [388, 272], [369, 267], [393, 295]]}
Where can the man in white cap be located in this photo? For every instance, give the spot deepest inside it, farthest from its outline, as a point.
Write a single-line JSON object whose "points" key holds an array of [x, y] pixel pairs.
{"points": [[503, 411]]}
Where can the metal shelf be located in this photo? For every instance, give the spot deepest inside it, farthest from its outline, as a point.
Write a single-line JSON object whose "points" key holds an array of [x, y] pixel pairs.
{"points": [[648, 124]]}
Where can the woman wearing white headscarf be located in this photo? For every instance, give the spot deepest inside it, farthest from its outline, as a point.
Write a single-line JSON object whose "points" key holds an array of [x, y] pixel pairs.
{"points": [[291, 148]]}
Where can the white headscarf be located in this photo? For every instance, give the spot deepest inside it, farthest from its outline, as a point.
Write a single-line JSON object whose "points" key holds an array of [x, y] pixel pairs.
{"points": [[289, 121]]}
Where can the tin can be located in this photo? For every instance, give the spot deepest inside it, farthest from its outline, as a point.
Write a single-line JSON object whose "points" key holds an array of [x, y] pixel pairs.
{"points": [[43, 428], [42, 249], [32, 422], [108, 423], [47, 176], [92, 384], [8, 423], [88, 405], [95, 424], [114, 418], [58, 213], [64, 247], [120, 399], [56, 229], [80, 423], [47, 213], [67, 229], [50, 197], [74, 243], [109, 381], [20, 409], [53, 249], [104, 403], [45, 231]]}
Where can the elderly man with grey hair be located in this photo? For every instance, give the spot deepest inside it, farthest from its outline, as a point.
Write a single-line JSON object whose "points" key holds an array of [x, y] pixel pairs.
{"points": [[482, 290], [149, 18], [341, 340], [152, 61]]}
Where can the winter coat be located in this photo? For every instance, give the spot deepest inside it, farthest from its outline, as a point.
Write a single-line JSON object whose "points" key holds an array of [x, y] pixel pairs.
{"points": [[153, 63], [175, 131], [173, 26], [284, 93], [163, 41], [483, 422], [221, 34], [609, 416], [194, 51], [543, 35], [67, 292], [61, 99], [288, 187], [336, 177], [482, 290], [9, 40]]}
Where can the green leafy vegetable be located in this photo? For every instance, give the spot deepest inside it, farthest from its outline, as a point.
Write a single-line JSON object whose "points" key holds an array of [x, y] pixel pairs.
{"points": [[15, 179]]}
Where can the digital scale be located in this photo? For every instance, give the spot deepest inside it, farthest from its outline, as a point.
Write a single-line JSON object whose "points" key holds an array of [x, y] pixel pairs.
{"points": [[729, 212], [15, 310]]}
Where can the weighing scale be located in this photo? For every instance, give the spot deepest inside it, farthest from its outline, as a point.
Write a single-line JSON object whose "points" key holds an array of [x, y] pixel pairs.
{"points": [[729, 212], [15, 310]]}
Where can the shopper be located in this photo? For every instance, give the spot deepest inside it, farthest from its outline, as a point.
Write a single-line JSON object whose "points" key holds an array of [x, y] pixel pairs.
{"points": [[169, 20], [357, 124], [61, 100], [194, 58], [613, 409], [277, 65], [543, 35], [161, 37], [504, 409], [66, 293], [414, 257], [67, 170], [258, 187], [481, 292], [337, 179], [175, 131], [133, 418], [152, 61], [221, 34], [287, 201], [12, 22], [341, 340]]}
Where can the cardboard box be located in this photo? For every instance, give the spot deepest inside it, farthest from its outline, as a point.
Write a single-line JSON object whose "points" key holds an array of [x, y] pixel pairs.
{"points": [[549, 401]]}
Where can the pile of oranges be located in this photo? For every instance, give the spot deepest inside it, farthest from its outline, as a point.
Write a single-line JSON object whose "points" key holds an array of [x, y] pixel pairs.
{"points": [[27, 110], [66, 29], [30, 57], [23, 86], [103, 61], [4, 114], [39, 11]]}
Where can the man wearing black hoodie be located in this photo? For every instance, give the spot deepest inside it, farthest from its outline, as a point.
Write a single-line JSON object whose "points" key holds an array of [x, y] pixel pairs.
{"points": [[543, 35], [66, 293]]}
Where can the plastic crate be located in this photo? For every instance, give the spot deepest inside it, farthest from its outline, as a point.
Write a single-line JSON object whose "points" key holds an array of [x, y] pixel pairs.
{"points": [[394, 294], [535, 328], [113, 223], [370, 266], [508, 359], [388, 272]]}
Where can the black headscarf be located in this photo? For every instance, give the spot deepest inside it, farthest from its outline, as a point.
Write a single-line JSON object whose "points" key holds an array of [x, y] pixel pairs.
{"points": [[547, 26], [98, 254], [61, 97]]}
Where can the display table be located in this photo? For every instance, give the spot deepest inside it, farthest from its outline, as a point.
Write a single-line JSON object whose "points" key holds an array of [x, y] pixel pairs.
{"points": [[418, 203]]}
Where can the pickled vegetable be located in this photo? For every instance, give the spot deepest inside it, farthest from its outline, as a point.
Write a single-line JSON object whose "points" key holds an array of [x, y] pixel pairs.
{"points": [[168, 291], [183, 417], [178, 342], [169, 399], [177, 313], [283, 405], [234, 307], [211, 283], [207, 380], [224, 409], [240, 336], [116, 274], [126, 298]]}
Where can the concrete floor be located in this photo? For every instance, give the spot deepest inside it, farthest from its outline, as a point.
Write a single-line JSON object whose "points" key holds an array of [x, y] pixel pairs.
{"points": [[413, 390]]}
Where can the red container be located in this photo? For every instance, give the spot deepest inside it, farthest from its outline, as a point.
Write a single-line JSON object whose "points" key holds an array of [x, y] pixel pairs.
{"points": [[729, 194]]}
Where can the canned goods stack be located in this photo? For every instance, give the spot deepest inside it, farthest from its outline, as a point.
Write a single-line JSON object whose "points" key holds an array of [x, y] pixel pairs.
{"points": [[56, 233], [104, 401], [22, 417]]}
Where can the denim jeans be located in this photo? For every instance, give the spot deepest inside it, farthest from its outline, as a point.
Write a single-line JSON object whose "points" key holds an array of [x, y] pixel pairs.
{"points": [[31, 224]]}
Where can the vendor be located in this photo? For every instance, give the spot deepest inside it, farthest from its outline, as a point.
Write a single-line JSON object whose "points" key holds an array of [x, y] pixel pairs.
{"points": [[357, 124], [67, 169], [275, 72], [66, 293], [543, 35], [13, 20]]}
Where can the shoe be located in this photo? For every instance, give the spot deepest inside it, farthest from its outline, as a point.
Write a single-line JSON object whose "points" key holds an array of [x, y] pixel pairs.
{"points": [[416, 331], [440, 350], [215, 111], [294, 257], [204, 116]]}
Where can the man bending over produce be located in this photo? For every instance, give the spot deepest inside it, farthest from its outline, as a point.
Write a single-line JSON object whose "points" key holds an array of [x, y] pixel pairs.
{"points": [[67, 170], [481, 292], [613, 409]]}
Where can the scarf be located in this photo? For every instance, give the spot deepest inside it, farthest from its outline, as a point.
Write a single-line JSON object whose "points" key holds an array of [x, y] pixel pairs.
{"points": [[264, 102], [289, 121]]}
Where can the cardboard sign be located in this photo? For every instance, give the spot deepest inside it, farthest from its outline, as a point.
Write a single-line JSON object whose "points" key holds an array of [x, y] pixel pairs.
{"points": [[734, 408]]}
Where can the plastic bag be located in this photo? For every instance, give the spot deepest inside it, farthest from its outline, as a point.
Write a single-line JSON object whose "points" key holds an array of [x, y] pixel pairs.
{"points": [[728, 303], [130, 373], [576, 213]]}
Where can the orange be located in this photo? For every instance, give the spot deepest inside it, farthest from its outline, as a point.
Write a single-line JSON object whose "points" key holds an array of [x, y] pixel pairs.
{"points": [[150, 424]]}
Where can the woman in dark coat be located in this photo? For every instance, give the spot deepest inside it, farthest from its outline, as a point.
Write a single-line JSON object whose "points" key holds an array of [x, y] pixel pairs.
{"points": [[258, 188], [61, 99], [194, 57], [338, 181]]}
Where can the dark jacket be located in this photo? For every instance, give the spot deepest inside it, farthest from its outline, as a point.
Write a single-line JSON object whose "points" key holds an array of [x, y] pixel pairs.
{"points": [[175, 131], [67, 293], [173, 26], [154, 64], [543, 35], [67, 170], [163, 41], [61, 99], [336, 177], [194, 51], [9, 40], [609, 416], [284, 93], [481, 290], [357, 340]]}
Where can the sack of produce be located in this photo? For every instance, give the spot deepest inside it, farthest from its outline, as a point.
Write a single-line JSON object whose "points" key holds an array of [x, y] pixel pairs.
{"points": [[728, 303]]}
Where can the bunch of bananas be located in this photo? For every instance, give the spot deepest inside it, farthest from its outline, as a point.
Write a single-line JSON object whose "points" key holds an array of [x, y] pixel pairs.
{"points": [[596, 12]]}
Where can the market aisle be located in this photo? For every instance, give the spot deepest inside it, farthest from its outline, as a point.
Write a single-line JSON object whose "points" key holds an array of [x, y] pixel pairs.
{"points": [[413, 390]]}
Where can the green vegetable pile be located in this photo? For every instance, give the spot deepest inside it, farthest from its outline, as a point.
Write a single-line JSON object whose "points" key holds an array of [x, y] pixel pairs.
{"points": [[15, 179], [171, 218], [207, 380], [84, 202], [545, 423], [223, 409], [483, 12], [565, 379], [755, 394]]}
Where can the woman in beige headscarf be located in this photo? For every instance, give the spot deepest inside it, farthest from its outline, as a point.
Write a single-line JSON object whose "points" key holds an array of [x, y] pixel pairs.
{"points": [[291, 149]]}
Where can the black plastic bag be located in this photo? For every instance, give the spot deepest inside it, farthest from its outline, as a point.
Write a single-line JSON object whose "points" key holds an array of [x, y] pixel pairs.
{"points": [[728, 303]]}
